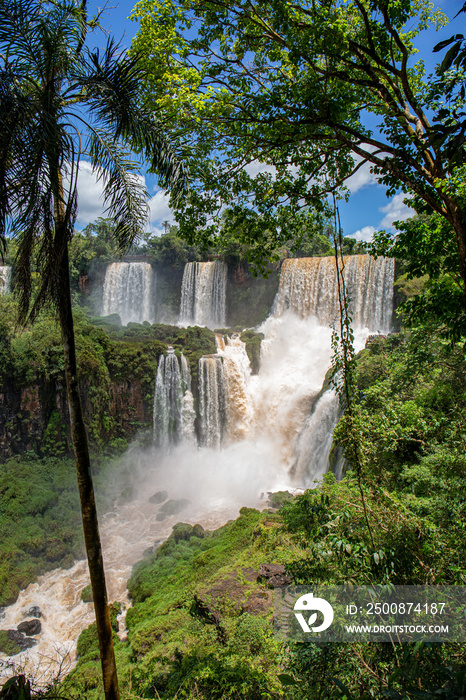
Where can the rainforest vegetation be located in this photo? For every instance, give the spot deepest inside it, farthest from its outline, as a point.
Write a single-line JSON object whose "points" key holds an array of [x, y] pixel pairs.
{"points": [[201, 621]]}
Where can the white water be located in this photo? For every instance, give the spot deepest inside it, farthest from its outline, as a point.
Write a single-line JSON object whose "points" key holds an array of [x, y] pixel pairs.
{"points": [[308, 287], [203, 294], [5, 279], [128, 292], [216, 485], [212, 398], [173, 410], [267, 425]]}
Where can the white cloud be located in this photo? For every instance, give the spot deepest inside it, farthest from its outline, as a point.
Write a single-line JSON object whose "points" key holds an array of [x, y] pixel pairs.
{"points": [[364, 234], [160, 210], [395, 210], [361, 178], [90, 194], [91, 202], [255, 167]]}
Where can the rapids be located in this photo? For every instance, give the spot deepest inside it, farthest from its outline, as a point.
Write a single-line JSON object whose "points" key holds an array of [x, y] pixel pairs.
{"points": [[255, 433]]}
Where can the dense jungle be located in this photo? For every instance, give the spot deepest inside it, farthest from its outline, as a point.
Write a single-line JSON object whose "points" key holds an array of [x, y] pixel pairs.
{"points": [[258, 400]]}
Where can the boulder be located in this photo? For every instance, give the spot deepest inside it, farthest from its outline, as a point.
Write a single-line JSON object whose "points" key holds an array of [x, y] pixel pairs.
{"points": [[158, 497], [12, 642], [273, 575], [35, 611], [173, 507], [30, 627]]}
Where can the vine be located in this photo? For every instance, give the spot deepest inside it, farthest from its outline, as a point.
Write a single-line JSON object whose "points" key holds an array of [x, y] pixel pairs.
{"points": [[344, 369]]}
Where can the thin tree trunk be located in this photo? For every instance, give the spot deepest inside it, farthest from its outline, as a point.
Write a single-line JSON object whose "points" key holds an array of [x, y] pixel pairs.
{"points": [[81, 448], [86, 489], [457, 219]]}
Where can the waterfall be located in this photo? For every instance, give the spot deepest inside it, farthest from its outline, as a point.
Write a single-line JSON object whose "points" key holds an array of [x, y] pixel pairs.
{"points": [[212, 400], [188, 413], [203, 294], [237, 372], [128, 290], [308, 287], [314, 442], [173, 415], [5, 279], [266, 425]]}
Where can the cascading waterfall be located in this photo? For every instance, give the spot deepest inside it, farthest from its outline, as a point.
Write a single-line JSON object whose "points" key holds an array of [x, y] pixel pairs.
{"points": [[266, 424], [203, 294], [225, 407], [173, 415], [167, 401], [5, 279], [188, 413], [237, 372], [212, 400], [128, 291], [308, 288], [315, 441]]}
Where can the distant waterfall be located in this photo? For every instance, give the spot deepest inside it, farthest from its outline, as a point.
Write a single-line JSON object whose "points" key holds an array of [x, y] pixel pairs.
{"points": [[5, 279], [203, 293], [212, 400], [128, 290], [173, 415], [308, 287]]}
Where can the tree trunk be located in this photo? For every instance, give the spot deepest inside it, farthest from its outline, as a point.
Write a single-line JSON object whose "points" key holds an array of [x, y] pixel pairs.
{"points": [[458, 222], [62, 298], [86, 488]]}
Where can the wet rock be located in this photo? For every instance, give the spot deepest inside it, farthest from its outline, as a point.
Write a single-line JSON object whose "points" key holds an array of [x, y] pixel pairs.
{"points": [[171, 507], [158, 497], [12, 642], [273, 575], [30, 627], [35, 611], [86, 594], [128, 494]]}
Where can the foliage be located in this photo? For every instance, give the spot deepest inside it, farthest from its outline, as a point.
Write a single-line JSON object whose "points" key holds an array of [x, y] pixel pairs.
{"points": [[172, 650], [272, 101], [39, 521], [426, 245]]}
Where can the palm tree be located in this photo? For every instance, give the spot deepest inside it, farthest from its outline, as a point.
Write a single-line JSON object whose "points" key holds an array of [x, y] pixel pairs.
{"points": [[60, 101]]}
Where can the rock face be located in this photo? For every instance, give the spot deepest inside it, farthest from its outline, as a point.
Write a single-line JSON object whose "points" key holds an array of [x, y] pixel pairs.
{"points": [[273, 575], [31, 415]]}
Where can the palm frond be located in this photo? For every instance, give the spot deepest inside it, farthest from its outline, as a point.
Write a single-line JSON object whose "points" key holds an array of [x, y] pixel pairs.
{"points": [[112, 94], [125, 193]]}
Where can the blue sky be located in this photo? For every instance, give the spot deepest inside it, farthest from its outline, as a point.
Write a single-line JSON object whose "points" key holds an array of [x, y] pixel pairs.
{"points": [[368, 208]]}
